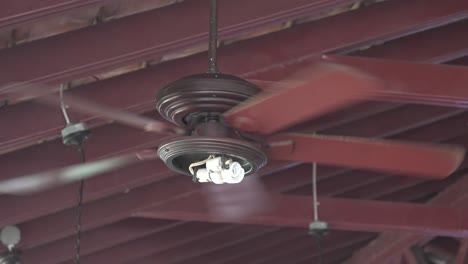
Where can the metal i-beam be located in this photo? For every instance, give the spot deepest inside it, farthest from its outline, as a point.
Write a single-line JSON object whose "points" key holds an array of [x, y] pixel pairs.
{"points": [[15, 12], [391, 244], [341, 214], [145, 36]]}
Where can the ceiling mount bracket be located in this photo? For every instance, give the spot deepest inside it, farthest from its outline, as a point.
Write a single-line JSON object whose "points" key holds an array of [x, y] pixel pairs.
{"points": [[75, 134]]}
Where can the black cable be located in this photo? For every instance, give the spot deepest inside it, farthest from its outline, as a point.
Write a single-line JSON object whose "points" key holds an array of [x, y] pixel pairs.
{"points": [[79, 208], [320, 248]]}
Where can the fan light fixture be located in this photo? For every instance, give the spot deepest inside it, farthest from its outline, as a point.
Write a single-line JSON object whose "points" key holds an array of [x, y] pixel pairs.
{"points": [[218, 170]]}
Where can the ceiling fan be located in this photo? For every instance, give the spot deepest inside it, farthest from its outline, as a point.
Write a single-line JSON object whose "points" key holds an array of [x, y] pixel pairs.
{"points": [[225, 128]]}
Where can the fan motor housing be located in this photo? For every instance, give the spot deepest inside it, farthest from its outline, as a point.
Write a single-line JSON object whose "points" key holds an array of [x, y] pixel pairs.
{"points": [[208, 93], [197, 102]]}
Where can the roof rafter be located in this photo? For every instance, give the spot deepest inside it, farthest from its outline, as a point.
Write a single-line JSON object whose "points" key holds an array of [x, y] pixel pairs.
{"points": [[389, 245], [74, 59], [14, 12], [438, 45], [97, 239], [341, 214], [145, 83]]}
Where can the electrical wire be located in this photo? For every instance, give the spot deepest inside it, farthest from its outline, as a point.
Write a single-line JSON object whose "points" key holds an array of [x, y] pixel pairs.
{"points": [[63, 106], [79, 206], [320, 249], [314, 190], [79, 209], [198, 163], [319, 236]]}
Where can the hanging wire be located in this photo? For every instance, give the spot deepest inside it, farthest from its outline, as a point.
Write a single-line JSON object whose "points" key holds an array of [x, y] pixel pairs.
{"points": [[79, 209], [314, 191], [79, 206], [213, 41], [63, 106], [320, 249], [316, 205]]}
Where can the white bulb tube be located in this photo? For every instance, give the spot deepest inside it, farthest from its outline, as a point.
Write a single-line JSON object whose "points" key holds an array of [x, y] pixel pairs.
{"points": [[234, 174], [214, 165], [203, 175]]}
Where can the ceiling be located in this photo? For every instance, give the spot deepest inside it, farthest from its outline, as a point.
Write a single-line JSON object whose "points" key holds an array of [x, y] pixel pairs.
{"points": [[121, 53]]}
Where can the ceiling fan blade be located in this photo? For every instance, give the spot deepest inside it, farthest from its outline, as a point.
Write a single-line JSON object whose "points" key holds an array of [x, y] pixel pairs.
{"points": [[46, 180], [423, 160], [309, 94], [236, 201], [39, 93]]}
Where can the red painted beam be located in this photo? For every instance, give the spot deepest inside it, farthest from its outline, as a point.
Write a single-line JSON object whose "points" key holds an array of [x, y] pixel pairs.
{"points": [[114, 206], [107, 53], [281, 247], [333, 242], [109, 185], [102, 185], [338, 240], [104, 211], [333, 257], [436, 45], [282, 236], [414, 82], [14, 12], [108, 136], [143, 83], [417, 192], [391, 244], [187, 235], [415, 117], [97, 240], [430, 130], [201, 246], [104, 141], [406, 189], [341, 214]]}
